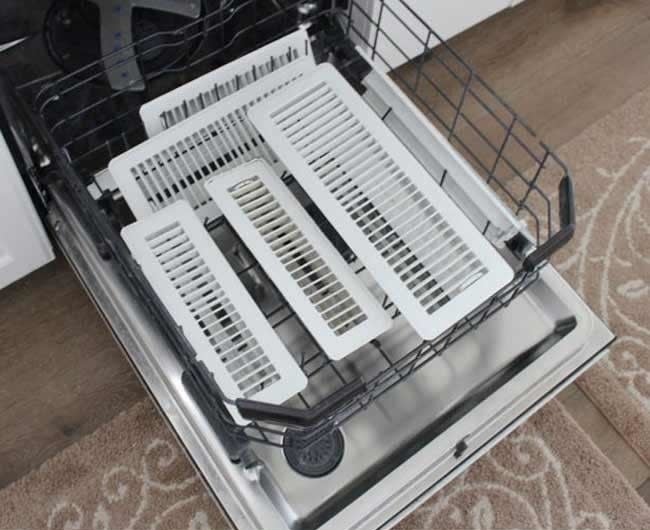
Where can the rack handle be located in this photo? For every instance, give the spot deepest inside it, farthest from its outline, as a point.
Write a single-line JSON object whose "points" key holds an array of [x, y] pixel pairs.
{"points": [[567, 227], [256, 410]]}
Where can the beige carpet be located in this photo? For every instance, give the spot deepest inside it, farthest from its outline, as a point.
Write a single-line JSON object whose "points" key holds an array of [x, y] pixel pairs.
{"points": [[131, 474], [609, 260]]}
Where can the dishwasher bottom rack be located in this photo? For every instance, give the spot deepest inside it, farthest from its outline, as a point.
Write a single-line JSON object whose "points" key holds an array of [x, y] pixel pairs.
{"points": [[334, 393], [513, 188]]}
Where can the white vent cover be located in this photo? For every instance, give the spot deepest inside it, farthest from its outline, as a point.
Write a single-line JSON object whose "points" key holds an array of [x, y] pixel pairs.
{"points": [[419, 246], [202, 293], [332, 302], [174, 164], [189, 99]]}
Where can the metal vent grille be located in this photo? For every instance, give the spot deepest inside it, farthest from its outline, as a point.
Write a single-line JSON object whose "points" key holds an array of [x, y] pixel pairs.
{"points": [[174, 164], [419, 246], [325, 293], [205, 297], [185, 101]]}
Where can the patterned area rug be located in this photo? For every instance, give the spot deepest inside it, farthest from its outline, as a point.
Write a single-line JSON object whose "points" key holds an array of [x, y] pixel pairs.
{"points": [[130, 474], [609, 260]]}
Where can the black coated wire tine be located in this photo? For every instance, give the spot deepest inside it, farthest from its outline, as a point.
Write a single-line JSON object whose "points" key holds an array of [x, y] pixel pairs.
{"points": [[304, 400], [273, 312], [501, 149], [125, 140], [108, 148], [315, 371], [377, 345], [442, 179], [422, 62], [461, 103]]}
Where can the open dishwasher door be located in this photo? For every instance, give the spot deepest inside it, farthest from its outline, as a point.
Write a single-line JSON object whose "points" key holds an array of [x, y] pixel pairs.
{"points": [[407, 444], [429, 408]]}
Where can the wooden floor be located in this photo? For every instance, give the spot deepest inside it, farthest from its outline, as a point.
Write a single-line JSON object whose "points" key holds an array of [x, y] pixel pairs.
{"points": [[61, 374], [562, 64]]}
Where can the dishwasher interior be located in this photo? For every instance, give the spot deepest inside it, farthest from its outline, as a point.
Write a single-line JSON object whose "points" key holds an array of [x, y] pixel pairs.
{"points": [[360, 418]]}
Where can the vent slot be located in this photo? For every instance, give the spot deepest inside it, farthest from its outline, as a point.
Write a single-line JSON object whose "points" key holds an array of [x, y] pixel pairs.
{"points": [[176, 163], [424, 252], [329, 298], [191, 98], [202, 293]]}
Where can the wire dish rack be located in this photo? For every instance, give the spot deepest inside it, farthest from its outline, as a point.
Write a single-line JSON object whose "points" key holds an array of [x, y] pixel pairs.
{"points": [[84, 124]]}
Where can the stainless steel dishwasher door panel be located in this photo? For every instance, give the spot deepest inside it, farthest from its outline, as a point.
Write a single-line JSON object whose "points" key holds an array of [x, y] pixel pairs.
{"points": [[398, 451]]}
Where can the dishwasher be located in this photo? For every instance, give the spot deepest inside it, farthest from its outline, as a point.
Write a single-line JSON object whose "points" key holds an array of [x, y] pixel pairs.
{"points": [[259, 140]]}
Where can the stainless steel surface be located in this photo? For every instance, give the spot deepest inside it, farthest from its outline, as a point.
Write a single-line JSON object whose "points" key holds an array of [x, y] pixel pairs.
{"points": [[388, 437]]}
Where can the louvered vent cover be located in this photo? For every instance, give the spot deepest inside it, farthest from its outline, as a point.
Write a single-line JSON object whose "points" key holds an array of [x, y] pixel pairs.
{"points": [[328, 297], [202, 293], [175, 163], [179, 104], [418, 245]]}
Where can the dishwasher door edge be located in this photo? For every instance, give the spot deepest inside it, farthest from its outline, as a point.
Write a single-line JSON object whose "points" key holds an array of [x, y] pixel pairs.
{"points": [[433, 479]]}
